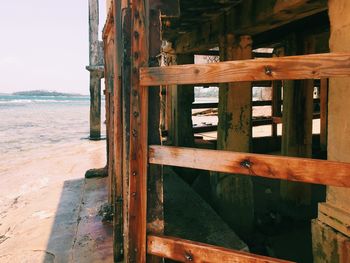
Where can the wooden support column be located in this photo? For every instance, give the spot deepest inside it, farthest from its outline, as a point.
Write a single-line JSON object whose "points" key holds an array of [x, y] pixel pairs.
{"points": [[95, 80], [95, 106], [125, 94], [118, 130], [137, 196], [155, 213], [276, 96], [297, 123], [110, 112], [330, 231], [182, 99], [233, 194], [324, 114]]}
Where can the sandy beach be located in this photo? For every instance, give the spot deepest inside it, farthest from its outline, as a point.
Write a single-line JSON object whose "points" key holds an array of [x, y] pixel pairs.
{"points": [[44, 198], [41, 202]]}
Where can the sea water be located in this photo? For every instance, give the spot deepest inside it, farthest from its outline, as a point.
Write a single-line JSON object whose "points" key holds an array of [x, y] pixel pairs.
{"points": [[38, 122]]}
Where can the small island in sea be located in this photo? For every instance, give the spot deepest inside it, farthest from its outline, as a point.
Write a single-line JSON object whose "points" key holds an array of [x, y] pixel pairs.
{"points": [[44, 93]]}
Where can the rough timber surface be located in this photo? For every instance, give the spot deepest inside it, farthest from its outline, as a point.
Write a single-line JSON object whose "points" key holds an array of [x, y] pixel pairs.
{"points": [[284, 68], [269, 166]]}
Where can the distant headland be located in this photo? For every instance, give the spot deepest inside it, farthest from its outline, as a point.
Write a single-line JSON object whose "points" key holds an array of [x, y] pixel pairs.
{"points": [[45, 93]]}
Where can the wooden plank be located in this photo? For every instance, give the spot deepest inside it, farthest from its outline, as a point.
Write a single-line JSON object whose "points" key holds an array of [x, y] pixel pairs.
{"points": [[255, 103], [188, 251], [284, 68], [333, 216], [204, 105], [269, 166], [138, 135]]}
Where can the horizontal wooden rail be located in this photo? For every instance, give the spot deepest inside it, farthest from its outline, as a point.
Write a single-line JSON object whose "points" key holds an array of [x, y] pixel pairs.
{"points": [[255, 103], [205, 105], [269, 166], [282, 68], [188, 251]]}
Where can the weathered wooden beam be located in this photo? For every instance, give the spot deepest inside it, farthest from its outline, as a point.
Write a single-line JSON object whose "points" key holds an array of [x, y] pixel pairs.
{"points": [[269, 166], [95, 75], [234, 134], [255, 103], [297, 120], [324, 113], [249, 18], [182, 100], [125, 29], [116, 10], [93, 31], [167, 8], [110, 116], [284, 68], [138, 134], [188, 251], [95, 105], [155, 209]]}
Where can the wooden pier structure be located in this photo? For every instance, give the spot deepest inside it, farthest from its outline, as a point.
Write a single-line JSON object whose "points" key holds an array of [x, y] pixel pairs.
{"points": [[292, 48]]}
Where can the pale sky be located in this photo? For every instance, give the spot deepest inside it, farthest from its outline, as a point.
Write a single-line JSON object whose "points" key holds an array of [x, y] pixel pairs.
{"points": [[44, 45]]}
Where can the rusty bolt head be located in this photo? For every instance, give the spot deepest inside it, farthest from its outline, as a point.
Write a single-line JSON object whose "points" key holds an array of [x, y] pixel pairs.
{"points": [[268, 70]]}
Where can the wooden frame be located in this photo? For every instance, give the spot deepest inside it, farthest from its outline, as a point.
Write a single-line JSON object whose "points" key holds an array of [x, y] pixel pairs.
{"points": [[188, 251], [137, 196], [268, 166], [282, 68]]}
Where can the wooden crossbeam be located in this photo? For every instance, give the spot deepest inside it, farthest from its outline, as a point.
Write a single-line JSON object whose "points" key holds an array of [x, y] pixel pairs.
{"points": [[188, 251], [282, 68], [269, 166]]}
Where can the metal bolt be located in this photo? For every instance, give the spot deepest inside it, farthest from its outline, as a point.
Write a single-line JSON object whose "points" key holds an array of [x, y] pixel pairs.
{"points": [[133, 194], [246, 164], [136, 114], [268, 71], [188, 257], [134, 173]]}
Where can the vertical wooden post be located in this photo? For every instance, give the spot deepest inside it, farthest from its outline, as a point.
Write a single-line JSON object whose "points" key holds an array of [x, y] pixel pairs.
{"points": [[276, 97], [276, 104], [233, 194], [126, 89], [330, 231], [324, 114], [297, 124], [155, 215], [110, 116], [118, 133], [138, 134], [182, 99], [95, 82]]}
